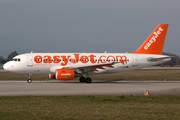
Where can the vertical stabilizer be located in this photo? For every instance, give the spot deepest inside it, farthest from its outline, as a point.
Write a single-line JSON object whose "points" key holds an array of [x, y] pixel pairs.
{"points": [[155, 42]]}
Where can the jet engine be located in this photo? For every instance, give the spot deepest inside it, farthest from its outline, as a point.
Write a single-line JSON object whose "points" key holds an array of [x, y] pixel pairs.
{"points": [[63, 74], [52, 76]]}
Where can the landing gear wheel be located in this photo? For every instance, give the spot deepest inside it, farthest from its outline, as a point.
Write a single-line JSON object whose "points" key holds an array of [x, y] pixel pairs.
{"points": [[82, 79], [29, 80], [88, 80]]}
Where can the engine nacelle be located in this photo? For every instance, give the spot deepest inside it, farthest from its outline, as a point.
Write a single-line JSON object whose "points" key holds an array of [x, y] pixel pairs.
{"points": [[64, 74], [52, 76]]}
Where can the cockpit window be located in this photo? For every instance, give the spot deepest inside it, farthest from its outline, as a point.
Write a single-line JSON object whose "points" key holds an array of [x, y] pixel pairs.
{"points": [[16, 59]]}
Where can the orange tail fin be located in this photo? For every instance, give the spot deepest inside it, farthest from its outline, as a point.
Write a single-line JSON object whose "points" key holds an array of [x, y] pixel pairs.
{"points": [[155, 42]]}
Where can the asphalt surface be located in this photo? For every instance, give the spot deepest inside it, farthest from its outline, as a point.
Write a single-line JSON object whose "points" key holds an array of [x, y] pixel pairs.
{"points": [[18, 88]]}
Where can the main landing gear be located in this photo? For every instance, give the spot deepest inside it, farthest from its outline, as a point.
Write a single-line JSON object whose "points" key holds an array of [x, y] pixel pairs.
{"points": [[29, 79], [83, 79]]}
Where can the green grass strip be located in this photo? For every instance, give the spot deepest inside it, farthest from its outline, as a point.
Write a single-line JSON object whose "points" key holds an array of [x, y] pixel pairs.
{"points": [[89, 107]]}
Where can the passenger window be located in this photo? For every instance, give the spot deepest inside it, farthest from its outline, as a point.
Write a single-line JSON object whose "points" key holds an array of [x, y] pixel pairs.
{"points": [[19, 60]]}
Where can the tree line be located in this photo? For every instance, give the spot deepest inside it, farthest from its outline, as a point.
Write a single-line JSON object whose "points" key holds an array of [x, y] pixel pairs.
{"points": [[175, 60], [10, 56]]}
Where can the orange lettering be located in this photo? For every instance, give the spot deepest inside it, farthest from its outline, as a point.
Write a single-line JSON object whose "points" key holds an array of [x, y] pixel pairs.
{"points": [[84, 59], [47, 59], [119, 57], [65, 60], [104, 59], [76, 58], [124, 59], [56, 59], [112, 57], [38, 59], [92, 58]]}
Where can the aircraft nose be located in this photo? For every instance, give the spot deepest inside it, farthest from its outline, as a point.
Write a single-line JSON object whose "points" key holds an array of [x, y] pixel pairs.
{"points": [[6, 66]]}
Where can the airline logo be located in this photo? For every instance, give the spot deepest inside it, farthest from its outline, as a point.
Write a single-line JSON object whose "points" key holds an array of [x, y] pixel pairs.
{"points": [[153, 39], [76, 58], [66, 74]]}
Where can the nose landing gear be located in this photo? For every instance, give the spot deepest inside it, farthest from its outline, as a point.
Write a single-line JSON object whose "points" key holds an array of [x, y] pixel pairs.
{"points": [[29, 79]]}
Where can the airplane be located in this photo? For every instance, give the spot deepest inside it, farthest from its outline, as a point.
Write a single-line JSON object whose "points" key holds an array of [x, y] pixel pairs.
{"points": [[67, 66]]}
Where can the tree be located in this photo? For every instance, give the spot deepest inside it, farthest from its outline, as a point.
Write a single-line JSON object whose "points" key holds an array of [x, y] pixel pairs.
{"points": [[10, 56], [175, 60], [2, 60]]}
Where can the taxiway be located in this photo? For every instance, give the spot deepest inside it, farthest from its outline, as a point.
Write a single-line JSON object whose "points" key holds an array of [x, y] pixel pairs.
{"points": [[19, 88]]}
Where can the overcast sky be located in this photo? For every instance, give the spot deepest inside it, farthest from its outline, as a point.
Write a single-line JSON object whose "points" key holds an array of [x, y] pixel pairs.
{"points": [[85, 25]]}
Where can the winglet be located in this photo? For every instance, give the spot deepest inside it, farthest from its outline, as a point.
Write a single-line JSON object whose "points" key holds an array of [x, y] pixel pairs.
{"points": [[155, 42]]}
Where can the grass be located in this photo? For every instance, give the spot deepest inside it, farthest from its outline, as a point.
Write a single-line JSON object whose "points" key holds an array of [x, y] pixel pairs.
{"points": [[17, 76], [93, 107], [90, 107], [137, 75], [140, 75]]}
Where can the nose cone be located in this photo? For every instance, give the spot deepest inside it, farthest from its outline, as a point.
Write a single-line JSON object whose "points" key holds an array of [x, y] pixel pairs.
{"points": [[11, 67], [6, 66]]}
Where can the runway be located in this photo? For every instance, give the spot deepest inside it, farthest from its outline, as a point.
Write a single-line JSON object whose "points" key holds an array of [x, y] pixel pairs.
{"points": [[38, 88]]}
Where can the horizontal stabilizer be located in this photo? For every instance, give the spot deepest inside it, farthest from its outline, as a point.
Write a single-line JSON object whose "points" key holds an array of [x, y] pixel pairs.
{"points": [[151, 59]]}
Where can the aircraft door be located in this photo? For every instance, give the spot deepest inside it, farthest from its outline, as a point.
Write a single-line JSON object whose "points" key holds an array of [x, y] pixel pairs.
{"points": [[135, 60], [29, 60]]}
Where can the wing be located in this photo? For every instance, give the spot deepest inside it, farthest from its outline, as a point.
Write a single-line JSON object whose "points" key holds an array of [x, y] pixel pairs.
{"points": [[85, 68]]}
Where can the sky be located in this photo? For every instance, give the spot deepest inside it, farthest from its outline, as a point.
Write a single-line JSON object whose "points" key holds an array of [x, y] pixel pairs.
{"points": [[92, 26]]}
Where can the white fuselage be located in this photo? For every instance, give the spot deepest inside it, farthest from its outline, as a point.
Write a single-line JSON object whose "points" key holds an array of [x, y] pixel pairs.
{"points": [[37, 63]]}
